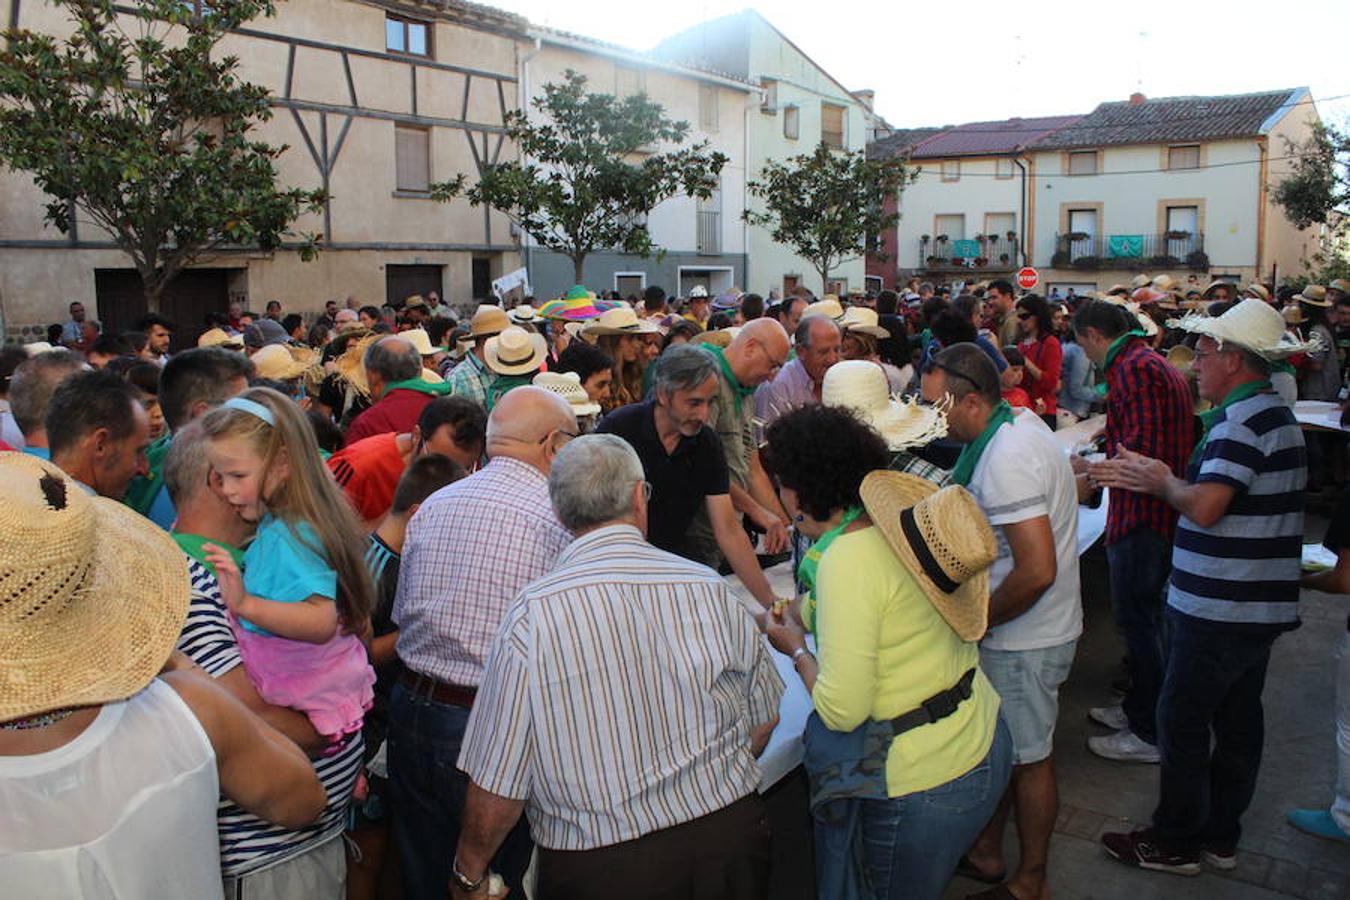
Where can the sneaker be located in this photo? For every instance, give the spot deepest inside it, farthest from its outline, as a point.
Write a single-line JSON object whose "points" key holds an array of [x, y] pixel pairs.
{"points": [[1112, 717], [1124, 746], [1219, 856], [1142, 850], [1317, 822]]}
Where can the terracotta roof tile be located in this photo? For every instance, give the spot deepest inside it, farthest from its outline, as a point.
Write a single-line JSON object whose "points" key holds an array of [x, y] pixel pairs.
{"points": [[1169, 120], [983, 138]]}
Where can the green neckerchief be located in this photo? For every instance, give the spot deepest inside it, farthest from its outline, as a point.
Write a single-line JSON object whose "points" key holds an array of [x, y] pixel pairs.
{"points": [[806, 571], [503, 384], [417, 384], [1281, 366], [192, 546], [1111, 353], [144, 489], [1209, 418], [741, 392], [970, 455]]}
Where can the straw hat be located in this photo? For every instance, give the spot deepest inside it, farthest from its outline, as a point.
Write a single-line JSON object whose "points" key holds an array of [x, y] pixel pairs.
{"points": [[829, 307], [1293, 315], [275, 362], [1313, 295], [421, 341], [568, 386], [92, 595], [863, 320], [522, 315], [1181, 357], [943, 539], [351, 365], [1252, 325], [862, 387], [413, 302], [430, 376], [1259, 290], [1146, 295], [1215, 285], [1140, 280], [36, 347], [515, 351], [1150, 327], [1165, 282], [1120, 289], [620, 320], [698, 292], [488, 321], [1340, 284], [716, 338], [218, 337]]}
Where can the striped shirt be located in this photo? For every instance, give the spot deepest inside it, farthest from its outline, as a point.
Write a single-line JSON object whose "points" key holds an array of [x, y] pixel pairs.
{"points": [[620, 694], [247, 843], [470, 548], [1245, 567]]}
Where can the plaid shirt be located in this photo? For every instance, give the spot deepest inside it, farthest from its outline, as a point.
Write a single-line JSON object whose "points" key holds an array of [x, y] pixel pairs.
{"points": [[1148, 410], [470, 549]]}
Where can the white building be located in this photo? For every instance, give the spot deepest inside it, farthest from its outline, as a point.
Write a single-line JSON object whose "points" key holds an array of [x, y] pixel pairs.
{"points": [[802, 106]]}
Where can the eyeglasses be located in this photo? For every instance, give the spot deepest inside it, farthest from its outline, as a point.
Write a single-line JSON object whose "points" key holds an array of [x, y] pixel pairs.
{"points": [[933, 364], [646, 490], [543, 440]]}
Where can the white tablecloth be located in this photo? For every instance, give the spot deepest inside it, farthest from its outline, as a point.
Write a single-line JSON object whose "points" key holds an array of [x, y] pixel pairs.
{"points": [[784, 750], [1319, 414]]}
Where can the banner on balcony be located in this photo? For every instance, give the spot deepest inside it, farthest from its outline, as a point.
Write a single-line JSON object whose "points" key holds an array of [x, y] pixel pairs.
{"points": [[966, 249], [1130, 246]]}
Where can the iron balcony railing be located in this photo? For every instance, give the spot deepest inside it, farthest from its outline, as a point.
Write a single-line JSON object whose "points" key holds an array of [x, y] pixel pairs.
{"points": [[985, 252], [1169, 249]]}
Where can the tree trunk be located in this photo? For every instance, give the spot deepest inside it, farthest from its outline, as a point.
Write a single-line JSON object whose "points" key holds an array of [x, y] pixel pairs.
{"points": [[824, 279], [578, 265]]}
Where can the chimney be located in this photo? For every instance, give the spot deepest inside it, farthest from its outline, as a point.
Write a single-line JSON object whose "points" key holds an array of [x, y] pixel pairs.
{"points": [[1137, 99]]}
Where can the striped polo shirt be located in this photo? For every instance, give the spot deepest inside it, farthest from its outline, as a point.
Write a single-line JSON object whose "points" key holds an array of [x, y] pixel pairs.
{"points": [[1244, 569], [619, 695]]}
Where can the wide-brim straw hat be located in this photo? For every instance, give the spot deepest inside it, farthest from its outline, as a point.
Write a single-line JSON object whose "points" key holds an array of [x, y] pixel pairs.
{"points": [[1215, 285], [1313, 295], [716, 338], [863, 320], [93, 596], [277, 363], [351, 365], [568, 386], [1259, 290], [1165, 282], [862, 387], [515, 351], [488, 320], [943, 538], [421, 341], [219, 337], [1181, 357], [1141, 280], [1252, 325], [1293, 315], [577, 305], [1146, 295], [522, 315], [1120, 289], [830, 307], [620, 320]]}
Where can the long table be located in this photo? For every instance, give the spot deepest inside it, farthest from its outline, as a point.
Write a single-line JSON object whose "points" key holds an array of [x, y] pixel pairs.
{"points": [[784, 750], [1319, 415]]}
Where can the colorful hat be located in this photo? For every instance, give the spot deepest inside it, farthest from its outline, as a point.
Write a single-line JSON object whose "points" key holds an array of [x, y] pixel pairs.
{"points": [[577, 305], [727, 302]]}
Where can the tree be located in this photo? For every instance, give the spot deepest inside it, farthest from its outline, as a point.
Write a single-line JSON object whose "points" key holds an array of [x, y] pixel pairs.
{"points": [[587, 176], [1317, 193], [829, 206], [146, 135]]}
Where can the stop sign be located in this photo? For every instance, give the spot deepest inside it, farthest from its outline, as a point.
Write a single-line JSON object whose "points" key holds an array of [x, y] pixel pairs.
{"points": [[1027, 278]]}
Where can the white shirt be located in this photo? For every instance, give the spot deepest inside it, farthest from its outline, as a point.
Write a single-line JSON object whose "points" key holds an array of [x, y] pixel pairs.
{"points": [[1023, 474]]}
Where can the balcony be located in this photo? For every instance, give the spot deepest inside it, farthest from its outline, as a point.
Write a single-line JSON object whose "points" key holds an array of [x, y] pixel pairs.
{"points": [[1168, 250], [709, 232], [986, 253]]}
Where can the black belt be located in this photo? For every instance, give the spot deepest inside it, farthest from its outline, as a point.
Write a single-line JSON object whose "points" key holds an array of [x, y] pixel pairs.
{"points": [[937, 707]]}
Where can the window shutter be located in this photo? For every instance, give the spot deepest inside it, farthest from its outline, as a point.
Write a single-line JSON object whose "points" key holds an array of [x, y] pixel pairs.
{"points": [[412, 159]]}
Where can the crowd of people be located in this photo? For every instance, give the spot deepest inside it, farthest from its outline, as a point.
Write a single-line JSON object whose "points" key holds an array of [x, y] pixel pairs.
{"points": [[393, 598]]}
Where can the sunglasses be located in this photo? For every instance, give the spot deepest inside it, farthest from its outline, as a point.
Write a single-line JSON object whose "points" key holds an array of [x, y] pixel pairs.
{"points": [[934, 365]]}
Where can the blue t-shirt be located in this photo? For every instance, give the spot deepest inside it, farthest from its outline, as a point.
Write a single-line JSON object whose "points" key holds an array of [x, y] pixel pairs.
{"points": [[285, 563]]}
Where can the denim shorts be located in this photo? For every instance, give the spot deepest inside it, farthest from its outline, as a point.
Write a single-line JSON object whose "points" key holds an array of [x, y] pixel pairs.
{"points": [[1028, 682]]}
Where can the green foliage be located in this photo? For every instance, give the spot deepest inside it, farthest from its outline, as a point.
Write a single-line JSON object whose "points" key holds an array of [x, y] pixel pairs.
{"points": [[1318, 191], [587, 176], [132, 123], [829, 206]]}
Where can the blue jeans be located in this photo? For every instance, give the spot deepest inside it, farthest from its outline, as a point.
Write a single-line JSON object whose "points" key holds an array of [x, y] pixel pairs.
{"points": [[1215, 675], [911, 844], [1140, 564], [426, 796]]}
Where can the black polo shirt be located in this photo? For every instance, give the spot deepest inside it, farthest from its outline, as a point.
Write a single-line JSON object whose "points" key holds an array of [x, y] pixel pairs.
{"points": [[681, 481]]}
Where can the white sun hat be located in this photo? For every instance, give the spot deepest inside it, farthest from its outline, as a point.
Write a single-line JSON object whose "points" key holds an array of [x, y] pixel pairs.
{"points": [[862, 386], [863, 320], [568, 386], [515, 351], [619, 320], [1252, 325]]}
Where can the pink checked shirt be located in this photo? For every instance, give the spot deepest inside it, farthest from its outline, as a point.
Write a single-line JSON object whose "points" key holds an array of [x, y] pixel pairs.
{"points": [[471, 547]]}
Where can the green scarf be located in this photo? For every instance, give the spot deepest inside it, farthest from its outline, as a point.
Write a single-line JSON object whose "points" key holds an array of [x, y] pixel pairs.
{"points": [[503, 384], [1282, 366], [730, 376], [1210, 418], [145, 488], [806, 571], [417, 384], [191, 544], [970, 455], [1111, 353]]}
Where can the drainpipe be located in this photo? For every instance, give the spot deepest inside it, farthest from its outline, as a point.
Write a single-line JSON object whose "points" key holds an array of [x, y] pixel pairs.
{"points": [[1022, 216], [525, 242]]}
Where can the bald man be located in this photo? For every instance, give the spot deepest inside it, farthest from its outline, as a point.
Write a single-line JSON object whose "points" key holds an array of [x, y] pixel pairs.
{"points": [[393, 371], [470, 549], [754, 357]]}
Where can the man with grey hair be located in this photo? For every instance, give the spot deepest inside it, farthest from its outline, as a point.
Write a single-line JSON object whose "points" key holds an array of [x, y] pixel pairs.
{"points": [[683, 461], [670, 807], [394, 373], [798, 383], [30, 390]]}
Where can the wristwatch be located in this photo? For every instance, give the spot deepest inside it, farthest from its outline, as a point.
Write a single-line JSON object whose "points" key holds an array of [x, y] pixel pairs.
{"points": [[464, 882], [798, 654]]}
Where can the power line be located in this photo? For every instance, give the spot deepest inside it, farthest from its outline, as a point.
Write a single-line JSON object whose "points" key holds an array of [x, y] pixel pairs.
{"points": [[1242, 162]]}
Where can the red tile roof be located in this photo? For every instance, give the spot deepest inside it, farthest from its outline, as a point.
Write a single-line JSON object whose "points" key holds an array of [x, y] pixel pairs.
{"points": [[987, 138], [1172, 119]]}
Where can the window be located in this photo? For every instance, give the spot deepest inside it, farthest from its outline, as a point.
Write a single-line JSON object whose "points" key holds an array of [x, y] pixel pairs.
{"points": [[769, 101], [1003, 168], [412, 159], [997, 225], [1183, 218], [1082, 233], [629, 81], [837, 286], [951, 170], [832, 125], [709, 224], [952, 226], [707, 107], [630, 284], [792, 128], [407, 36], [1083, 162], [1187, 157], [480, 275]]}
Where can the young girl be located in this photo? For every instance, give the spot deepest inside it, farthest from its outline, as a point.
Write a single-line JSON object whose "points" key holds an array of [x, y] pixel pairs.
{"points": [[305, 595]]}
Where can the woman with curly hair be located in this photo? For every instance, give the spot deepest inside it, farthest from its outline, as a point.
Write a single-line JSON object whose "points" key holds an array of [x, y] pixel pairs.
{"points": [[884, 650]]}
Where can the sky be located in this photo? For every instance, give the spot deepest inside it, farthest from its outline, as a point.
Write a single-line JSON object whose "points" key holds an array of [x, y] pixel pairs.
{"points": [[947, 63]]}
